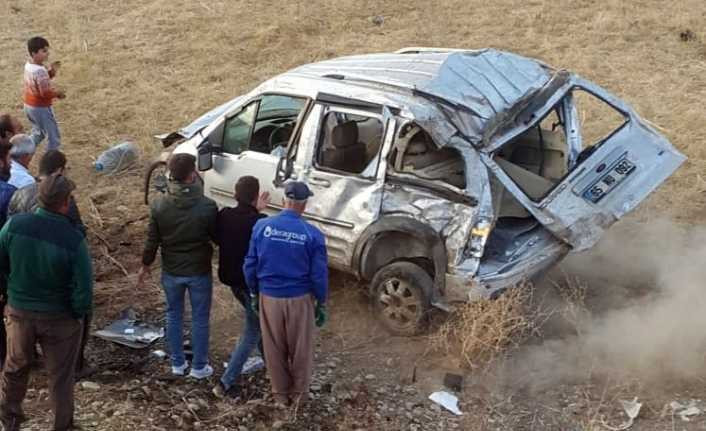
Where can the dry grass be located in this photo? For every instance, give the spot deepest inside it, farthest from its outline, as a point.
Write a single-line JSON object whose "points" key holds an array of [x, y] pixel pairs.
{"points": [[478, 332]]}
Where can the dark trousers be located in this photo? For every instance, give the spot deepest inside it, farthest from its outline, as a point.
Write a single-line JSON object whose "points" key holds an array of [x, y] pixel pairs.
{"points": [[85, 333], [59, 335]]}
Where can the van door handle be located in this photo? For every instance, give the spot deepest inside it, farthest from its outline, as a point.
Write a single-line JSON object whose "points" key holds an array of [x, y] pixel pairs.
{"points": [[320, 182]]}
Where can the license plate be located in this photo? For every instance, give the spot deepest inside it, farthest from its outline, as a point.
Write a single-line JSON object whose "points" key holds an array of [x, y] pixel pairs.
{"points": [[609, 181]]}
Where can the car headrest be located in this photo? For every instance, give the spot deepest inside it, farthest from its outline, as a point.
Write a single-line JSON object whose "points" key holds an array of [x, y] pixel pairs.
{"points": [[345, 134]]}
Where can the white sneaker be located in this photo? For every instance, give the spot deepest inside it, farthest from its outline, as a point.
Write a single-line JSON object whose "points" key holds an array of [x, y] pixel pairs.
{"points": [[206, 371], [180, 371]]}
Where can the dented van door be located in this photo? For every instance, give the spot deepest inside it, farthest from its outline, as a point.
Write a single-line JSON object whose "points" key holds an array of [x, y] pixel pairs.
{"points": [[611, 175]]}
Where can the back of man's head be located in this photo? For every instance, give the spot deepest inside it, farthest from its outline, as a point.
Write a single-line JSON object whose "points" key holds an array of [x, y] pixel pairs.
{"points": [[22, 145], [247, 189], [51, 162], [36, 43], [54, 192], [181, 166]]}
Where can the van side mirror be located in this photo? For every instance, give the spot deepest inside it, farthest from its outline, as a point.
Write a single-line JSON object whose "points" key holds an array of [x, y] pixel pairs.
{"points": [[205, 156]]}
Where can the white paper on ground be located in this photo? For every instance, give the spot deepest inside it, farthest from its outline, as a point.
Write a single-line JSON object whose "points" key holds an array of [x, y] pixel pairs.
{"points": [[447, 401]]}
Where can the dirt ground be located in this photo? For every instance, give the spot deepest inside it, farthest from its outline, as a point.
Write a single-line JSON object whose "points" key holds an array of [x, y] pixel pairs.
{"points": [[135, 69]]}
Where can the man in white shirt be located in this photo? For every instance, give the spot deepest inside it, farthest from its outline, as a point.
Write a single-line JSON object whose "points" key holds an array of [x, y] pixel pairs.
{"points": [[23, 148]]}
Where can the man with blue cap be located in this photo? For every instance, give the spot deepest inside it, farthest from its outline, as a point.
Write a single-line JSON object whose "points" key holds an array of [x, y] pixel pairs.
{"points": [[286, 271]]}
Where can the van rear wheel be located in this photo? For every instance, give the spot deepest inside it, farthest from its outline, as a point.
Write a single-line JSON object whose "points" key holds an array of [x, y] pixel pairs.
{"points": [[401, 297]]}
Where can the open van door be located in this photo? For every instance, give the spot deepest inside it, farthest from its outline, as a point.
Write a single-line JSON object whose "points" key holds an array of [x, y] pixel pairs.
{"points": [[587, 161]]}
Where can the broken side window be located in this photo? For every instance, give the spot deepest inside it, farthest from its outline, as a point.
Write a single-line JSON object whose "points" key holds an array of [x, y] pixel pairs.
{"points": [[349, 143], [423, 158]]}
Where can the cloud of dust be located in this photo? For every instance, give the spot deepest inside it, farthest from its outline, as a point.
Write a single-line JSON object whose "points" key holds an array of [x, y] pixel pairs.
{"points": [[646, 311]]}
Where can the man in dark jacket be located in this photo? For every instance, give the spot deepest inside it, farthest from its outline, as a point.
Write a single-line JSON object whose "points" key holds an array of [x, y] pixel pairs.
{"points": [[233, 230], [50, 290], [7, 190], [182, 224]]}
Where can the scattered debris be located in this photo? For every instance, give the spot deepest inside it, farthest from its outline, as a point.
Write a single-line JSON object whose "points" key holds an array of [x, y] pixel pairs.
{"points": [[90, 385], [129, 331], [160, 354], [685, 411], [378, 20], [631, 409], [453, 381], [447, 401], [687, 36]]}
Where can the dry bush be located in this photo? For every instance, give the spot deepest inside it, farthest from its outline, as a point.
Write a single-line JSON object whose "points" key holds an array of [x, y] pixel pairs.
{"points": [[572, 291], [479, 331]]}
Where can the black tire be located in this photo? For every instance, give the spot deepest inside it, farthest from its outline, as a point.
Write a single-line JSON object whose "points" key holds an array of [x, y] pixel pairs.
{"points": [[401, 295], [155, 181]]}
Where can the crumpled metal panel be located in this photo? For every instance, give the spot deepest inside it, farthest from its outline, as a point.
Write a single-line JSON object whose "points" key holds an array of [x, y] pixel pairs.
{"points": [[482, 82], [453, 221]]}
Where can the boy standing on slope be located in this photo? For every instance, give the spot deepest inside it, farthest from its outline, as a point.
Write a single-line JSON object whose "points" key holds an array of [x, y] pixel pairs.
{"points": [[38, 93]]}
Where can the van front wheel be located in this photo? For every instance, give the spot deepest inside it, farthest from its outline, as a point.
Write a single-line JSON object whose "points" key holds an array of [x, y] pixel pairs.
{"points": [[401, 297]]}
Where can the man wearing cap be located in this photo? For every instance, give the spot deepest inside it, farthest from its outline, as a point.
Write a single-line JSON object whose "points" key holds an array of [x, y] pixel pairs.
{"points": [[287, 268], [50, 290]]}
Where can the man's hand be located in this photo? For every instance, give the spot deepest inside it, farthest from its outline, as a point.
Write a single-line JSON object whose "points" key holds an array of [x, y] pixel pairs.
{"points": [[145, 273], [54, 66], [320, 314], [60, 94], [262, 201]]}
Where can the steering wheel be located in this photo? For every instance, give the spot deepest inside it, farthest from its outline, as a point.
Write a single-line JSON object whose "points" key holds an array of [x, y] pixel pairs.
{"points": [[280, 135]]}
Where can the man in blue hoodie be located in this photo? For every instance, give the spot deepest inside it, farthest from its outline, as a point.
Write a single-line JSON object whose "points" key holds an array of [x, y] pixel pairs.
{"points": [[287, 268]]}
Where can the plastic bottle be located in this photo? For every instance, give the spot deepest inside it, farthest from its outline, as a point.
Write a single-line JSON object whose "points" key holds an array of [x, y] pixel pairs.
{"points": [[117, 158]]}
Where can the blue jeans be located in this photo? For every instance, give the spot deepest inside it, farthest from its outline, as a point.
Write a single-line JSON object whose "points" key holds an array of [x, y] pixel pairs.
{"points": [[249, 340], [200, 288], [43, 124]]}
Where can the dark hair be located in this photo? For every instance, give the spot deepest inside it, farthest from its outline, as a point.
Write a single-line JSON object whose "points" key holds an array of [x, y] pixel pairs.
{"points": [[51, 161], [5, 147], [246, 189], [6, 130], [181, 166], [54, 191], [36, 43]]}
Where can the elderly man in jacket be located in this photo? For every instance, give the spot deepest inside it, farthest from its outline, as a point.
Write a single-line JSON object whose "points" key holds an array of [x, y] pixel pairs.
{"points": [[287, 267]]}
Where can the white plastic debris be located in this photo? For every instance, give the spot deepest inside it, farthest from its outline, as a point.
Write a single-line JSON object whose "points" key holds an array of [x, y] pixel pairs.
{"points": [[161, 354], [685, 411], [129, 330], [447, 401], [631, 409]]}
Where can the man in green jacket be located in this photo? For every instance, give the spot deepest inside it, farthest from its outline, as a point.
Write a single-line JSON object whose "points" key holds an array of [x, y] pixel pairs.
{"points": [[50, 291], [183, 224]]}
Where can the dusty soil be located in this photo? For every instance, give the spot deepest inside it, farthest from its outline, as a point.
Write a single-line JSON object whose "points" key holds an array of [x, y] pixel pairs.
{"points": [[135, 68]]}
